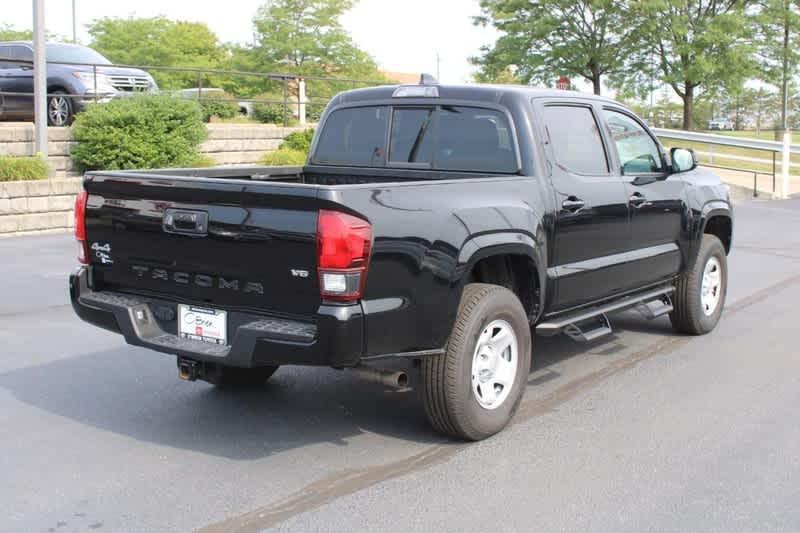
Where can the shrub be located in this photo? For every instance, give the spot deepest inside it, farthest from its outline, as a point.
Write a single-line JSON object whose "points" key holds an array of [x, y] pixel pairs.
{"points": [[22, 168], [146, 131], [271, 113], [283, 156], [220, 106], [314, 112], [300, 140], [202, 161]]}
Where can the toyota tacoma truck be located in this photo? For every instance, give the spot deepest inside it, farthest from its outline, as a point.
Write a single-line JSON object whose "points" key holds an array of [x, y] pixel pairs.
{"points": [[440, 225]]}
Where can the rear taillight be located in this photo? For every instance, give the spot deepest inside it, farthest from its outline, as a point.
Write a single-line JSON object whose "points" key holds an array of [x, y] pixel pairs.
{"points": [[80, 227], [344, 243]]}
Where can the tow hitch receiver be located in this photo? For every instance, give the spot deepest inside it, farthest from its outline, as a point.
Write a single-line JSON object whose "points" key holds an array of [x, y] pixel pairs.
{"points": [[188, 370]]}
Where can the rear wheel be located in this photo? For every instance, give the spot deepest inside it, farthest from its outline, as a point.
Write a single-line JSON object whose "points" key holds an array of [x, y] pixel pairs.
{"points": [[233, 377], [700, 293], [474, 388]]}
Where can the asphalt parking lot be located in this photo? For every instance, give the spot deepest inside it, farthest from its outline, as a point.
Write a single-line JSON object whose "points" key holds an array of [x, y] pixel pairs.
{"points": [[645, 430]]}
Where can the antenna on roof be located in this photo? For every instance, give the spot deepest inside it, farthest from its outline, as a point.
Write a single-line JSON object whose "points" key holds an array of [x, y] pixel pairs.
{"points": [[427, 79]]}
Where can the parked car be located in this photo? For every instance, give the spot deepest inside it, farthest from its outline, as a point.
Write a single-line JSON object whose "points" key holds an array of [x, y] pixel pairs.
{"points": [[195, 93], [71, 82], [436, 224], [723, 124]]}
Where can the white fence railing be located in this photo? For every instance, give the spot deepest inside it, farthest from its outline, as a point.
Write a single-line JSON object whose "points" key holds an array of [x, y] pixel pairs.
{"points": [[773, 147], [725, 140]]}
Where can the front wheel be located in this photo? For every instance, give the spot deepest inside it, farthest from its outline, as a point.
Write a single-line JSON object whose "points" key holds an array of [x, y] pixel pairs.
{"points": [[474, 388], [59, 109], [700, 293]]}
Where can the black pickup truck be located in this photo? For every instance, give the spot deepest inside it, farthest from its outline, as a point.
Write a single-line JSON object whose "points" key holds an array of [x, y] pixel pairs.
{"points": [[440, 225]]}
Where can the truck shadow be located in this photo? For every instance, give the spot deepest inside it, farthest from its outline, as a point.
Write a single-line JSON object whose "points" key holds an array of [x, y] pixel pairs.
{"points": [[136, 393]]}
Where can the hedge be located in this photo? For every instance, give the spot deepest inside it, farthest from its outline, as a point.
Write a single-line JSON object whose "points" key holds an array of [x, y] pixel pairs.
{"points": [[144, 131], [220, 106]]}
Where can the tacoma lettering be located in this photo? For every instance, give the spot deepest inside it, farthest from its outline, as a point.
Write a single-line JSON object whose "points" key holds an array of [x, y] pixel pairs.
{"points": [[199, 280]]}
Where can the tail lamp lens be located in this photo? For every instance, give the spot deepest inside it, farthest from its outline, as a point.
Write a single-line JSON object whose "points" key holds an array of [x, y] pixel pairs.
{"points": [[80, 227], [344, 243]]}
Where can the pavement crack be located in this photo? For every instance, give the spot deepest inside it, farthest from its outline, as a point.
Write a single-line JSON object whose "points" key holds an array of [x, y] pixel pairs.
{"points": [[332, 487], [34, 311], [349, 481]]}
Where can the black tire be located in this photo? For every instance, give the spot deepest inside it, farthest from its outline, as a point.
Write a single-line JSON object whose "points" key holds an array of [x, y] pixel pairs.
{"points": [[233, 377], [689, 314], [66, 113], [450, 403]]}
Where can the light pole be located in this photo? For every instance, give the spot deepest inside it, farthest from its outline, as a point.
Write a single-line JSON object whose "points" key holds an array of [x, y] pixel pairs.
{"points": [[39, 78], [74, 24]]}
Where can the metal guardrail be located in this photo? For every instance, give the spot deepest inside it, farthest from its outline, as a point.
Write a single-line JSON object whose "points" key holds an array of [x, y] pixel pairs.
{"points": [[725, 140], [286, 100], [711, 139]]}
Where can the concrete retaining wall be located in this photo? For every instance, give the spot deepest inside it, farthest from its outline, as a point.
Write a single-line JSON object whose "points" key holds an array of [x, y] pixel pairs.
{"points": [[227, 144], [37, 206], [28, 207]]}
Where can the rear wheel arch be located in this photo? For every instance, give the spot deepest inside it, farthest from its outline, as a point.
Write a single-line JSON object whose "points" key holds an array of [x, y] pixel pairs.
{"points": [[513, 266]]}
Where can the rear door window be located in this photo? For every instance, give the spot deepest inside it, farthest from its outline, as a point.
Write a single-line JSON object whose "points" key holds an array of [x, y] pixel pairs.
{"points": [[475, 139], [5, 57], [575, 139], [22, 53]]}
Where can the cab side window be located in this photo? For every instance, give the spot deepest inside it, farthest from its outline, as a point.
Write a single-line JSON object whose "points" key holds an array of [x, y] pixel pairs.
{"points": [[575, 138], [637, 150]]}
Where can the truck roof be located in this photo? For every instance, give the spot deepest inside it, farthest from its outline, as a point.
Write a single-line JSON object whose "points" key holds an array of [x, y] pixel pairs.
{"points": [[476, 92]]}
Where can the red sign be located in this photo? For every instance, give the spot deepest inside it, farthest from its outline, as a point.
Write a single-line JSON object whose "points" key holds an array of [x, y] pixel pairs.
{"points": [[563, 83]]}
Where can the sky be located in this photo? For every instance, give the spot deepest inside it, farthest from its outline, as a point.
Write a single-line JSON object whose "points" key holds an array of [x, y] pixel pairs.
{"points": [[402, 35]]}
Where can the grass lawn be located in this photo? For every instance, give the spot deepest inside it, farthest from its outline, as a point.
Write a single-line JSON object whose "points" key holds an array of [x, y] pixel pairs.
{"points": [[764, 135]]}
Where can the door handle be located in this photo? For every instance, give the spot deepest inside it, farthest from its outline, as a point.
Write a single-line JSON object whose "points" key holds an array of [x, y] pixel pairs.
{"points": [[573, 204], [637, 199]]}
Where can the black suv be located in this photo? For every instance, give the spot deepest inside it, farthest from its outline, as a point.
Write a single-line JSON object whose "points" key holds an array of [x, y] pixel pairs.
{"points": [[71, 81]]}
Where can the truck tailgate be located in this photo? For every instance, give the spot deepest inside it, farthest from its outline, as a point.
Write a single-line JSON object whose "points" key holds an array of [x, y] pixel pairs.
{"points": [[224, 243]]}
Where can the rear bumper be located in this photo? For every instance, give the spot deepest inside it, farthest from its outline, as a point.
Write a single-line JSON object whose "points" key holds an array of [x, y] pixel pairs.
{"points": [[334, 337]]}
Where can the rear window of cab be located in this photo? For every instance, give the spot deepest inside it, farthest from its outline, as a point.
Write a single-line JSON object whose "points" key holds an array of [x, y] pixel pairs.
{"points": [[455, 138]]}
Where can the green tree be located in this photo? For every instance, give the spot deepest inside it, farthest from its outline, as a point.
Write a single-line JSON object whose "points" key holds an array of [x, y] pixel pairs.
{"points": [[760, 107], [303, 38], [159, 42], [9, 33], [548, 38], [306, 37], [692, 44], [778, 47], [507, 76]]}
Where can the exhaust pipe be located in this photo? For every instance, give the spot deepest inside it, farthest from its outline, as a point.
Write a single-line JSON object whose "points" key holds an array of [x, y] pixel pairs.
{"points": [[391, 378]]}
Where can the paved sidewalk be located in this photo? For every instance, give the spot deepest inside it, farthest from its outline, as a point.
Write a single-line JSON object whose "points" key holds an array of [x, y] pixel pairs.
{"points": [[744, 178]]}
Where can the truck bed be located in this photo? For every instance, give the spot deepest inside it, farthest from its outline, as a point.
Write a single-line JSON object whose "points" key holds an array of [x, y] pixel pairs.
{"points": [[309, 175]]}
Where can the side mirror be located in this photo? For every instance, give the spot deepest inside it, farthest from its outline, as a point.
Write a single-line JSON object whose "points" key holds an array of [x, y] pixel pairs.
{"points": [[683, 160]]}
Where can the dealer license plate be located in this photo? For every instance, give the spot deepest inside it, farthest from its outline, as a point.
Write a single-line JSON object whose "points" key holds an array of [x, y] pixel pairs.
{"points": [[203, 324]]}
